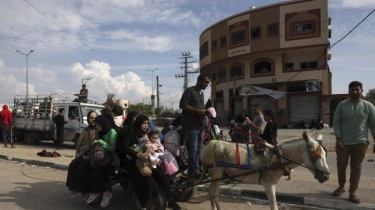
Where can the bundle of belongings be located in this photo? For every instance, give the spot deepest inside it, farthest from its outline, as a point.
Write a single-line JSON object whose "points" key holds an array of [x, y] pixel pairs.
{"points": [[44, 153]]}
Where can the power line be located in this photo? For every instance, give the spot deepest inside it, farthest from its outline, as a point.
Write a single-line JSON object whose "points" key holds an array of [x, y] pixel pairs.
{"points": [[352, 29], [76, 37]]}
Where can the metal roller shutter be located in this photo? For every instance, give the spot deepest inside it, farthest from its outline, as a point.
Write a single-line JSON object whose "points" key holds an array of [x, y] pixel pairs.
{"points": [[304, 108]]}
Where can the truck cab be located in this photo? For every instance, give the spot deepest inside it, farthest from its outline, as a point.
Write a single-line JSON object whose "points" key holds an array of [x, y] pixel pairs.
{"points": [[76, 115]]}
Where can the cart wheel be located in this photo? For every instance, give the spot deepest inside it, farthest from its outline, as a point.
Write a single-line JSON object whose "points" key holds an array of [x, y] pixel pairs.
{"points": [[184, 195], [156, 203]]}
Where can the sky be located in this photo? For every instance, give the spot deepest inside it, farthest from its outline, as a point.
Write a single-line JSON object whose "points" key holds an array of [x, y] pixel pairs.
{"points": [[122, 45]]}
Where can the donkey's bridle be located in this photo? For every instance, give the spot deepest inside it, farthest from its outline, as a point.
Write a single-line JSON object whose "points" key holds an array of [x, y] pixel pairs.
{"points": [[315, 159], [310, 157]]}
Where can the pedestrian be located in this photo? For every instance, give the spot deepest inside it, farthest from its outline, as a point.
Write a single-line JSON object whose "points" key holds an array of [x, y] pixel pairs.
{"points": [[352, 119], [193, 110], [258, 123], [270, 131], [6, 124], [60, 122]]}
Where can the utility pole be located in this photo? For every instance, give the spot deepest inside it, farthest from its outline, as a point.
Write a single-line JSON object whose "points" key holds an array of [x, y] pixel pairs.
{"points": [[157, 93], [86, 79], [185, 66]]}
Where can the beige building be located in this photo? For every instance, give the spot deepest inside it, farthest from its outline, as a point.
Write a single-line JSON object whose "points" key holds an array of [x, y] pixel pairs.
{"points": [[282, 47]]}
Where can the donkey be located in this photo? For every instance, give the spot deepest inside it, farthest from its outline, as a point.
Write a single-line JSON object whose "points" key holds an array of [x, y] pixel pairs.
{"points": [[223, 157]]}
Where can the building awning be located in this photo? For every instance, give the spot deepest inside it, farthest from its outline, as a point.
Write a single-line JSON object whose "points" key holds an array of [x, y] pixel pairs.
{"points": [[246, 90]]}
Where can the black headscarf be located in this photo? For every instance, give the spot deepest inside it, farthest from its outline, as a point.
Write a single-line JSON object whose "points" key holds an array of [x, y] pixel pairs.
{"points": [[129, 118], [88, 118], [107, 112], [137, 125], [104, 123]]}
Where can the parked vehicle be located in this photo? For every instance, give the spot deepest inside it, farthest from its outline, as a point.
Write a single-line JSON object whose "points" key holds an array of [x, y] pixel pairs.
{"points": [[33, 118]]}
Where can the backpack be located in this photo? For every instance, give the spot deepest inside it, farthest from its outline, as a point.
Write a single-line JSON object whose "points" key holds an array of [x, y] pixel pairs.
{"points": [[172, 142], [168, 163], [99, 156]]}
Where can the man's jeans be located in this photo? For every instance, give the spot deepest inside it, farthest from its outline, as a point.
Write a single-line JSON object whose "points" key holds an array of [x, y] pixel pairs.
{"points": [[194, 140], [6, 134]]}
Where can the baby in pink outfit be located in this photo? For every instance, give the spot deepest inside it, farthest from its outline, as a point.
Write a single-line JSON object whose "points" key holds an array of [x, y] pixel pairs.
{"points": [[155, 147]]}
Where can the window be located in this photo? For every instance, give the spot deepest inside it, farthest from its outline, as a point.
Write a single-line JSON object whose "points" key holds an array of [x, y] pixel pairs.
{"points": [[214, 45], [222, 75], [289, 66], [73, 113], [312, 85], [302, 28], [223, 41], [273, 29], [297, 87], [255, 33], [263, 67], [236, 71], [308, 65], [238, 37], [203, 50]]}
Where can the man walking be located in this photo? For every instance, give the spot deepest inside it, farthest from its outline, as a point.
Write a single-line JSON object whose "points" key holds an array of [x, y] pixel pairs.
{"points": [[193, 110], [60, 121], [351, 122], [258, 123], [6, 119]]}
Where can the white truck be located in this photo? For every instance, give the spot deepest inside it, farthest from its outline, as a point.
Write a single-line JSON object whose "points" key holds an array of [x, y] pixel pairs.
{"points": [[33, 117]]}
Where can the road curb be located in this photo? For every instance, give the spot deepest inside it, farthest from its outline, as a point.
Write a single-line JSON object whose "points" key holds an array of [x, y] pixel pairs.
{"points": [[315, 201], [293, 199], [36, 162], [4, 157]]}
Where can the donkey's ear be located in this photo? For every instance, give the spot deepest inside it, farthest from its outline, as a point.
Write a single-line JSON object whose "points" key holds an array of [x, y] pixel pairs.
{"points": [[305, 136]]}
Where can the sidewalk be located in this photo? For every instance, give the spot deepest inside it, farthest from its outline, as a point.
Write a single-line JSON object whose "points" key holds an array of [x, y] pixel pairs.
{"points": [[301, 189]]}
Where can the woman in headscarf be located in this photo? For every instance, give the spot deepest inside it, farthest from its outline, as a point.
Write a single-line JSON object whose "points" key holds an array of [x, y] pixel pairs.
{"points": [[100, 176], [144, 186], [78, 168], [107, 112], [130, 118]]}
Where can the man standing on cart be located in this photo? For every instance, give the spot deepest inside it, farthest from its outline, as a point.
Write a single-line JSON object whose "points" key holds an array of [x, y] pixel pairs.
{"points": [[193, 109]]}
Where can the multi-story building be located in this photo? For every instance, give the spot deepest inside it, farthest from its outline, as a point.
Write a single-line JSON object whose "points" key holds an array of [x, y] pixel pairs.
{"points": [[281, 47]]}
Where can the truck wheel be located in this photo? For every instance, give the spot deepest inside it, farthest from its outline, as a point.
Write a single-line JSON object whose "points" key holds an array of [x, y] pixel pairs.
{"points": [[29, 138], [156, 203]]}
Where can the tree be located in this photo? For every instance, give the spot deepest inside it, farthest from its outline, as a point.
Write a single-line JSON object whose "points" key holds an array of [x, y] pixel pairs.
{"points": [[370, 96], [141, 108]]}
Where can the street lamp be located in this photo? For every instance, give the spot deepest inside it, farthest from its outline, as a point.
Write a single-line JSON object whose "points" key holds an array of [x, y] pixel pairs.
{"points": [[152, 78], [152, 94], [27, 71]]}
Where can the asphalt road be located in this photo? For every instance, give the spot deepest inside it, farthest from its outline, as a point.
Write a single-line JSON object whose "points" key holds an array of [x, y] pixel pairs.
{"points": [[37, 188]]}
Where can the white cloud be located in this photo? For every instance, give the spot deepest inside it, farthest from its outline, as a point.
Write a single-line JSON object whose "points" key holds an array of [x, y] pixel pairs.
{"points": [[358, 4]]}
